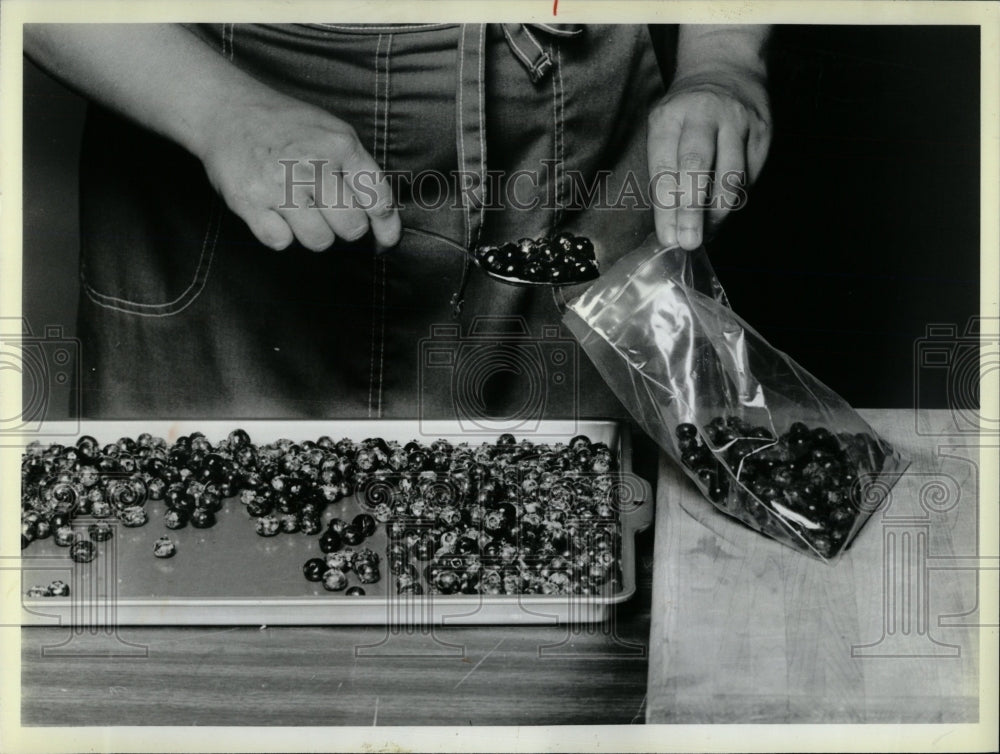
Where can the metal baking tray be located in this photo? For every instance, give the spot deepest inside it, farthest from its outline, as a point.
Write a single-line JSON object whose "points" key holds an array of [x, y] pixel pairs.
{"points": [[229, 575]]}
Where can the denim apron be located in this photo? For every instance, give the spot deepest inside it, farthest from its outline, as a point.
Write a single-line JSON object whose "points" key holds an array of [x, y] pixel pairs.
{"points": [[186, 315]]}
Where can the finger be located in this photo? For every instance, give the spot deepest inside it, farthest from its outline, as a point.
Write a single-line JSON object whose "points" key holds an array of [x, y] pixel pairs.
{"points": [[374, 194], [695, 157], [341, 211], [757, 148], [269, 228], [729, 179], [309, 227], [661, 153]]}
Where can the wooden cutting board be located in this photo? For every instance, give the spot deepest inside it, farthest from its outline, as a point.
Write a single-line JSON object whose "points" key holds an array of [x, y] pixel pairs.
{"points": [[747, 630]]}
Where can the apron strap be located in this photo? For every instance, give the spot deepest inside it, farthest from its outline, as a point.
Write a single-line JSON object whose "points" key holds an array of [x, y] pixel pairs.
{"points": [[470, 134], [471, 128], [529, 51], [471, 118]]}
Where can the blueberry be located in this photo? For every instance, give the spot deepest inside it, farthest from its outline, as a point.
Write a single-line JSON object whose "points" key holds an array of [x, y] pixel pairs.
{"points": [[782, 475], [238, 438], [100, 532], [330, 541], [351, 535], [334, 580], [83, 551], [259, 506], [267, 526], [582, 247], [798, 429], [718, 489], [447, 581], [202, 518], [424, 548], [365, 523], [563, 242], [686, 431], [545, 254], [692, 458], [175, 519], [367, 572], [314, 568], [337, 525], [535, 272], [164, 548], [309, 524]]}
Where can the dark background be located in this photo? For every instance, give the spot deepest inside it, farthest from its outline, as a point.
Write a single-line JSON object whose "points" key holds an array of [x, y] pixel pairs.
{"points": [[862, 230]]}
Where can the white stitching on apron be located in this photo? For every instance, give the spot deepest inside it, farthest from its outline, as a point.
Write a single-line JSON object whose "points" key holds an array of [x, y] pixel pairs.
{"points": [[517, 50], [385, 108], [558, 31], [384, 258], [384, 29], [191, 292], [482, 129], [371, 367], [378, 49], [560, 185], [529, 35], [461, 131], [555, 152]]}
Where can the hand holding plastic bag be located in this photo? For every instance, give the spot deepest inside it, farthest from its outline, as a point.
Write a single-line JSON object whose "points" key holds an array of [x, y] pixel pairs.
{"points": [[763, 439]]}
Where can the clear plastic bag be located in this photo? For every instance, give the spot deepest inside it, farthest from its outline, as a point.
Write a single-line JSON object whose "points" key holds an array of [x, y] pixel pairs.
{"points": [[764, 440]]}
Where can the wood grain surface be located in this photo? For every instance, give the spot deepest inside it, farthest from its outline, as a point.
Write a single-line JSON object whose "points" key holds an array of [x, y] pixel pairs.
{"points": [[747, 630], [743, 630], [306, 675]]}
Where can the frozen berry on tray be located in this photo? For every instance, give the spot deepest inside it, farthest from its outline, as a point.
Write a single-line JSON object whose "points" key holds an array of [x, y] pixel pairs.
{"points": [[334, 580], [164, 548], [314, 569], [100, 531]]}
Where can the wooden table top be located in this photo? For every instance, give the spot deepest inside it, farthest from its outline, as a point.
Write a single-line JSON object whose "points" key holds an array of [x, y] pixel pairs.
{"points": [[350, 675], [743, 630], [747, 630]]}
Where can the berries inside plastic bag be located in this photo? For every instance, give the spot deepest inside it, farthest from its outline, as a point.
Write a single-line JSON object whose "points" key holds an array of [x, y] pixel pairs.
{"points": [[764, 440]]}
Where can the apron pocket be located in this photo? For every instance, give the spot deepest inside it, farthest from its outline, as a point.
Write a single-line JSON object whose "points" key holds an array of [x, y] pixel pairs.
{"points": [[150, 220]]}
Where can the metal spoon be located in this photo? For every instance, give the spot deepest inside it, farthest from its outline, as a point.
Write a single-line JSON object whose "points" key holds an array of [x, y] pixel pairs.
{"points": [[480, 256]]}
